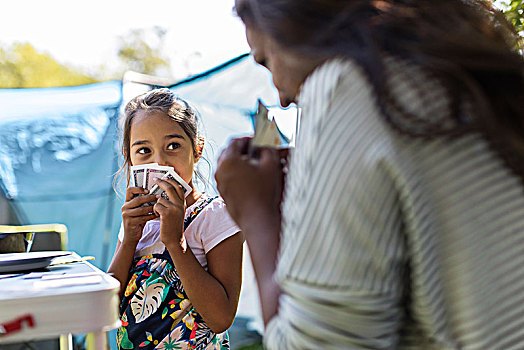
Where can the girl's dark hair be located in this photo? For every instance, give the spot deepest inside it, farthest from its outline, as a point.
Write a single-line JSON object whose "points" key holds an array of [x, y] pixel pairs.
{"points": [[465, 44], [161, 100]]}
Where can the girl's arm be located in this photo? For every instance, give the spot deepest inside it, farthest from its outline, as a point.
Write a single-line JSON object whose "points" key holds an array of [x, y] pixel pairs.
{"points": [[213, 293], [134, 218], [121, 263]]}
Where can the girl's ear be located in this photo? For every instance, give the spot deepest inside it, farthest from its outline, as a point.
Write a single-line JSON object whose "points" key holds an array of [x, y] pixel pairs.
{"points": [[199, 148], [126, 159]]}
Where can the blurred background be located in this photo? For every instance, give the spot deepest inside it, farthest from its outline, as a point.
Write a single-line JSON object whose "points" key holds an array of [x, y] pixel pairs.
{"points": [[66, 70], [65, 43]]}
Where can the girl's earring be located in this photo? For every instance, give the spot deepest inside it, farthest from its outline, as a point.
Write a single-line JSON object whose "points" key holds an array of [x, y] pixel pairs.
{"points": [[199, 148]]}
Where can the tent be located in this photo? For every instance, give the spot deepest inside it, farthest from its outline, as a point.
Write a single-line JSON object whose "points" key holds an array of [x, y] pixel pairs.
{"points": [[57, 157], [60, 148]]}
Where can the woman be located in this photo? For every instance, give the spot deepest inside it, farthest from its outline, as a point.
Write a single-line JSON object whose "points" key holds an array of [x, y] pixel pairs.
{"points": [[402, 224]]}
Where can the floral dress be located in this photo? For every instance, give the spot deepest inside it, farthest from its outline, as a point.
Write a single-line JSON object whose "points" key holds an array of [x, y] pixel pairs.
{"points": [[156, 312]]}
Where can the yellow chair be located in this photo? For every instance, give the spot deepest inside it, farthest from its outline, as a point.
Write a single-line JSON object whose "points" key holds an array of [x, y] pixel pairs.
{"points": [[46, 236]]}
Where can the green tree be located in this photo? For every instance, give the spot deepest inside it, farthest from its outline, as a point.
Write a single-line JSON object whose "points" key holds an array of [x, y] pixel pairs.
{"points": [[514, 11], [141, 51], [22, 66]]}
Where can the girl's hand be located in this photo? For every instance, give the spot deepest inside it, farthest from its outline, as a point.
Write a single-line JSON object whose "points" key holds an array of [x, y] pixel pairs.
{"points": [[171, 211], [134, 215], [251, 188]]}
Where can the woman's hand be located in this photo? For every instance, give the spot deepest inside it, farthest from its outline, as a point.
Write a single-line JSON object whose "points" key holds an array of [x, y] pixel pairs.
{"points": [[251, 188], [134, 215], [171, 211]]}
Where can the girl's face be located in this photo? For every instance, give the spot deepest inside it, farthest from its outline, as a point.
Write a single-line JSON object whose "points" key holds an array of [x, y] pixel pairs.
{"points": [[157, 138]]}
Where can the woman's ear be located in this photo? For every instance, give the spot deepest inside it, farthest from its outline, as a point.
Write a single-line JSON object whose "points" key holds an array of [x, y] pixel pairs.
{"points": [[199, 148]]}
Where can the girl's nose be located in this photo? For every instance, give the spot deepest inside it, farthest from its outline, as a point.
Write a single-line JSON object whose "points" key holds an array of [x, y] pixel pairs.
{"points": [[160, 160]]}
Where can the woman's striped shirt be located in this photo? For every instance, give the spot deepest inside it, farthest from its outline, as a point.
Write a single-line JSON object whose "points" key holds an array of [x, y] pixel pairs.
{"points": [[390, 241]]}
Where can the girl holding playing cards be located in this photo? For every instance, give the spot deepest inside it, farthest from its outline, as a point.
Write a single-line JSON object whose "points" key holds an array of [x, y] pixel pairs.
{"points": [[178, 257]]}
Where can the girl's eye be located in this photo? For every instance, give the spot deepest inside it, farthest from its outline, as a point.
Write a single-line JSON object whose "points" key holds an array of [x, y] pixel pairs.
{"points": [[143, 150], [173, 145]]}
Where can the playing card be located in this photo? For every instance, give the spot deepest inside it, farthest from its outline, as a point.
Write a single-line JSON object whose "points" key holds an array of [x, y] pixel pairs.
{"points": [[152, 173], [137, 174], [261, 119], [171, 174], [272, 135], [266, 131]]}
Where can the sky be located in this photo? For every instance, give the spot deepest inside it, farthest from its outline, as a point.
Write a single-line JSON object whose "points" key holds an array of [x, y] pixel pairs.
{"points": [[200, 33]]}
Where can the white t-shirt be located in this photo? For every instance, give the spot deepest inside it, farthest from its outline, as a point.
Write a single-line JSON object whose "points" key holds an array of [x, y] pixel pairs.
{"points": [[210, 227]]}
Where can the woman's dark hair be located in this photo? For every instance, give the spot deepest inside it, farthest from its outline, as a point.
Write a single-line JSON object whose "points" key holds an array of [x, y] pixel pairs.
{"points": [[161, 100], [465, 44]]}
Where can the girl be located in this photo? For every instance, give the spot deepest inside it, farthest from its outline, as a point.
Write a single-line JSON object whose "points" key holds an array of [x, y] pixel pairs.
{"points": [[178, 260]]}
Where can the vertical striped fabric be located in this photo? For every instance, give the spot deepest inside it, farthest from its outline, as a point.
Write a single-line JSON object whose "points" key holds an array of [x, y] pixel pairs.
{"points": [[394, 242]]}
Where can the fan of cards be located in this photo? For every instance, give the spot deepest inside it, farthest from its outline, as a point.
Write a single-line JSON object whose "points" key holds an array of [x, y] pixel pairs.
{"points": [[266, 131], [143, 176]]}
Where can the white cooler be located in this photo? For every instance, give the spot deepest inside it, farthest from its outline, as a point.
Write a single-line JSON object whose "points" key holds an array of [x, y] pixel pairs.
{"points": [[69, 298]]}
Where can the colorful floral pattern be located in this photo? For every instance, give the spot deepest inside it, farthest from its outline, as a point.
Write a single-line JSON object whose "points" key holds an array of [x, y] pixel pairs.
{"points": [[155, 311]]}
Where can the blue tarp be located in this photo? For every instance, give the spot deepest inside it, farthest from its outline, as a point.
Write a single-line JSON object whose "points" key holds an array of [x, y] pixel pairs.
{"points": [[57, 154]]}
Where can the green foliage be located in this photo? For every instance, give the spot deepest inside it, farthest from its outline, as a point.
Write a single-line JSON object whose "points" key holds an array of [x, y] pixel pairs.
{"points": [[21, 66], [514, 11], [140, 51]]}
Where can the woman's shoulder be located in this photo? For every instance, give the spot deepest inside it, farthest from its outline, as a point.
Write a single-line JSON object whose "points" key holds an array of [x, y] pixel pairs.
{"points": [[332, 83], [325, 78]]}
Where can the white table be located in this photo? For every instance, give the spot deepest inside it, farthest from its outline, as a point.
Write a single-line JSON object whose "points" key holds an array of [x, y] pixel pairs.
{"points": [[73, 298]]}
